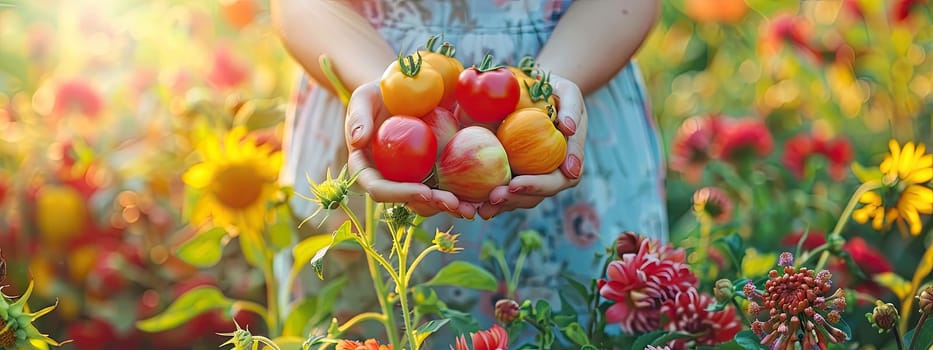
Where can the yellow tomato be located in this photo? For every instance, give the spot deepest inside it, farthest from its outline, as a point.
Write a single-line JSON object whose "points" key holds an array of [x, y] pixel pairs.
{"points": [[411, 87]]}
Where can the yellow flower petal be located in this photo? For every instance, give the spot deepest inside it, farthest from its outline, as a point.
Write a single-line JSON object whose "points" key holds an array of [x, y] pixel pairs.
{"points": [[199, 175], [906, 161]]}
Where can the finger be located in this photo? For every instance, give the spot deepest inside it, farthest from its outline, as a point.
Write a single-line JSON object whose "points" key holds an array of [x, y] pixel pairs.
{"points": [[423, 209], [361, 114], [572, 167], [445, 201], [467, 210], [572, 112], [488, 211], [500, 196], [383, 190], [540, 185]]}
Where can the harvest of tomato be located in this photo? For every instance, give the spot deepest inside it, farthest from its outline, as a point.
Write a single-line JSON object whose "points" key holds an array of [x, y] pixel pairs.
{"points": [[411, 87], [487, 93], [514, 108], [404, 149]]}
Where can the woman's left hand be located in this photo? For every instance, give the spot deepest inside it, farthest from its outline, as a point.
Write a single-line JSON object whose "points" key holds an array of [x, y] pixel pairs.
{"points": [[526, 191]]}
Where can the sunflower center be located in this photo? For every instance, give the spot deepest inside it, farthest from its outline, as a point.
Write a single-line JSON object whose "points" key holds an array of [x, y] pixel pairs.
{"points": [[7, 336], [237, 186]]}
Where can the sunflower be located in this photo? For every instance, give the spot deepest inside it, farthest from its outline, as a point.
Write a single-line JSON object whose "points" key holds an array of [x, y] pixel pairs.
{"points": [[237, 179], [907, 172]]}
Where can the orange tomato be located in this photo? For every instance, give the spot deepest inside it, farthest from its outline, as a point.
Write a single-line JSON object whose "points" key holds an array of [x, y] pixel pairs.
{"points": [[532, 142], [239, 13], [537, 94], [443, 62], [727, 11], [411, 87]]}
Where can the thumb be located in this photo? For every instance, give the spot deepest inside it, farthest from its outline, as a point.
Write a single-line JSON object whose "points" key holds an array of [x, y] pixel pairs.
{"points": [[361, 114]]}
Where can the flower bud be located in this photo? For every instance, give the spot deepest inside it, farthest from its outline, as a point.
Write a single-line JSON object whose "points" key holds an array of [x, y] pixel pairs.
{"points": [[627, 243], [884, 316], [786, 259], [723, 290], [530, 239], [925, 300], [446, 242], [836, 243], [399, 216], [507, 310]]}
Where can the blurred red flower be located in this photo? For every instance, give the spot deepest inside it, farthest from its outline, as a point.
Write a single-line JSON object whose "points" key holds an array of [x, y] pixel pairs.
{"points": [[370, 344], [691, 146], [77, 96], [902, 8], [226, 71], [799, 148], [791, 29], [743, 140]]}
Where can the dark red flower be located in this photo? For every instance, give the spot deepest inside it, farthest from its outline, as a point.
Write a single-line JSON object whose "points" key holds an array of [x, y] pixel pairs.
{"points": [[867, 257], [743, 140], [815, 238], [787, 28], [691, 147], [687, 312], [903, 8], [639, 283], [713, 203], [77, 96]]}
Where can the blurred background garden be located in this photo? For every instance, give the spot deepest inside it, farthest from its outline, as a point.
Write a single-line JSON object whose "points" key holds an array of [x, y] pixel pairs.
{"points": [[779, 110]]}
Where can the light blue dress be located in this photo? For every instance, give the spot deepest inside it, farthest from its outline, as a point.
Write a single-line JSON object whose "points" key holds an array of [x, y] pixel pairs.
{"points": [[622, 184]]}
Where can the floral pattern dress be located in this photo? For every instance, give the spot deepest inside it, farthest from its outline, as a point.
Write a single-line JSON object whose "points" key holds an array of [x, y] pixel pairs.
{"points": [[621, 189]]}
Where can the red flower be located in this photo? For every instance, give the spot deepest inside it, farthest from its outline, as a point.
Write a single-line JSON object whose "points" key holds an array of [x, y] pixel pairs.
{"points": [[713, 203], [744, 139], [798, 149], [639, 283], [370, 344], [78, 96], [853, 7], [902, 8], [814, 239], [787, 28], [691, 145], [226, 71], [495, 338], [687, 312], [868, 258]]}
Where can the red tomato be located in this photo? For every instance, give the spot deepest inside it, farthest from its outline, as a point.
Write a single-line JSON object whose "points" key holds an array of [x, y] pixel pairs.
{"points": [[404, 149], [488, 93]]}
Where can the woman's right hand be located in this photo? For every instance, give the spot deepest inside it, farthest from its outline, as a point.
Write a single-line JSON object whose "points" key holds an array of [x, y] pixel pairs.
{"points": [[365, 113]]}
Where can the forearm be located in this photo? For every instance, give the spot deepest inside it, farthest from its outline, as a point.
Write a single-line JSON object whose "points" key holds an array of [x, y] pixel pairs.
{"points": [[620, 26], [309, 29]]}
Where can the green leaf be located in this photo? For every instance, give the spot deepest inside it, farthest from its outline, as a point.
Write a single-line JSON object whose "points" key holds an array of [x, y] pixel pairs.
{"points": [[464, 274], [542, 311], [312, 250], [733, 244], [194, 302], [844, 327], [299, 316], [282, 231], [924, 340], [577, 286], [204, 249], [748, 340], [254, 249], [460, 321], [577, 334], [326, 299], [647, 339], [428, 328]]}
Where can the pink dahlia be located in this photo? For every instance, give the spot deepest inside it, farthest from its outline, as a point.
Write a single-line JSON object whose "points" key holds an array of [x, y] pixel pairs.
{"points": [[691, 146], [495, 338], [687, 312], [639, 283], [800, 148], [743, 140]]}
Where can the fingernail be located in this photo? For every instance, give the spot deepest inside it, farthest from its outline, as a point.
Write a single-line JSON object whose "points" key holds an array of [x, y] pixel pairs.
{"points": [[497, 201], [571, 125], [423, 197], [516, 189], [573, 166], [356, 133]]}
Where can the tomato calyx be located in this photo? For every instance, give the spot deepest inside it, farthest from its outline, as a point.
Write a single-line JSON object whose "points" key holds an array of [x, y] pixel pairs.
{"points": [[541, 89], [446, 49], [486, 65], [527, 65], [411, 67]]}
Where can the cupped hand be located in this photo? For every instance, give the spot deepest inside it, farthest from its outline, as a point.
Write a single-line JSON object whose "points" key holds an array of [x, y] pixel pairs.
{"points": [[365, 113], [527, 191]]}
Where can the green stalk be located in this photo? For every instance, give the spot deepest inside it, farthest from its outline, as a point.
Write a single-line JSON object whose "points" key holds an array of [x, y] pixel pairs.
{"points": [[418, 259], [366, 316], [519, 264], [378, 283], [272, 299], [402, 286], [844, 218], [913, 339]]}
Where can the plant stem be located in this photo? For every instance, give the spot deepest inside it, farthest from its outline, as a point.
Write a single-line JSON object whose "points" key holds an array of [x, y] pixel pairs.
{"points": [[272, 299], [254, 308], [402, 284], [378, 283], [418, 259], [844, 218], [366, 242], [741, 312], [500, 257], [360, 318], [519, 265], [897, 336], [913, 339]]}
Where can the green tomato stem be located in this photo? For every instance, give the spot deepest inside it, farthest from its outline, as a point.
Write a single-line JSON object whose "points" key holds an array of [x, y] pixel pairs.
{"points": [[487, 65]]}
